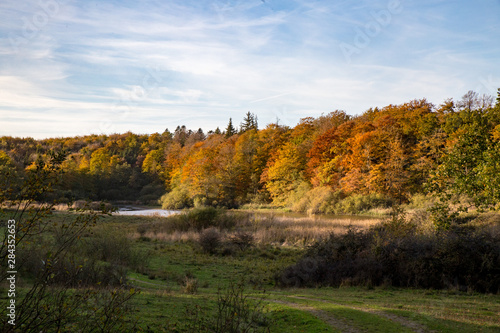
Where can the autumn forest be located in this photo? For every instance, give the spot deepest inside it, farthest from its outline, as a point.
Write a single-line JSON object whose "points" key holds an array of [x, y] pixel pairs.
{"points": [[399, 232], [381, 157]]}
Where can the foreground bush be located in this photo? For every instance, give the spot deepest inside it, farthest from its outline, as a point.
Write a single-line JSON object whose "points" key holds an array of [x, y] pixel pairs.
{"points": [[63, 290], [235, 312], [396, 254]]}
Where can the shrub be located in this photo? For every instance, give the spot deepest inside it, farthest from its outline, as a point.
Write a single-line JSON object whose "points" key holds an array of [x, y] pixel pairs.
{"points": [[81, 272], [243, 240], [210, 240], [298, 199], [421, 201], [235, 312], [394, 253], [323, 200], [202, 218], [194, 220], [358, 203], [178, 198], [190, 285], [317, 200]]}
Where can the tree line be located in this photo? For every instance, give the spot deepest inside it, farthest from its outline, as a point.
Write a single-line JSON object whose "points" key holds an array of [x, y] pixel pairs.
{"points": [[389, 153]]}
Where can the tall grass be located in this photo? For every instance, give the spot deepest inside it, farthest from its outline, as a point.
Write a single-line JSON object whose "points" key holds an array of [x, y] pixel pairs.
{"points": [[264, 228]]}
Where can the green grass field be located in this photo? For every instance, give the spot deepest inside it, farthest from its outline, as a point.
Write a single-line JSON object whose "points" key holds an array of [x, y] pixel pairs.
{"points": [[180, 285], [163, 301]]}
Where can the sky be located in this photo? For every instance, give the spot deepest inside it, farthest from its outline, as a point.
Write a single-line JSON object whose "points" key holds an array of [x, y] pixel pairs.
{"points": [[71, 67]]}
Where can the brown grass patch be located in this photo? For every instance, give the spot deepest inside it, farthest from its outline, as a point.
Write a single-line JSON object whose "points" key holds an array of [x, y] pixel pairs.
{"points": [[264, 228]]}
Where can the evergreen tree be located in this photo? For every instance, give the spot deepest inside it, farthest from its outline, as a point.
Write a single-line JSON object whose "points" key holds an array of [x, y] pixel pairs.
{"points": [[249, 122], [230, 130]]}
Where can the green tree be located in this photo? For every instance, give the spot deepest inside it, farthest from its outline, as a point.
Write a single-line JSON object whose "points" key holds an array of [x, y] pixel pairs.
{"points": [[249, 122], [230, 130], [468, 173]]}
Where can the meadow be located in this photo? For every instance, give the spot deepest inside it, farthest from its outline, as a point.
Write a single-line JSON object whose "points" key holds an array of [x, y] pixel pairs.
{"points": [[210, 270], [179, 262]]}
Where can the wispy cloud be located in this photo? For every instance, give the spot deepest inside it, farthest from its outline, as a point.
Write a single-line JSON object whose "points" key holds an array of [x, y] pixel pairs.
{"points": [[115, 66]]}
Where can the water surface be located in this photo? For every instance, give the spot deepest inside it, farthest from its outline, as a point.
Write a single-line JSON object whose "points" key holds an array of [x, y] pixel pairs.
{"points": [[135, 211]]}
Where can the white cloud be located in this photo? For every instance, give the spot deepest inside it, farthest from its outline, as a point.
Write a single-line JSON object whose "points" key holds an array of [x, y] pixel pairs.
{"points": [[105, 66]]}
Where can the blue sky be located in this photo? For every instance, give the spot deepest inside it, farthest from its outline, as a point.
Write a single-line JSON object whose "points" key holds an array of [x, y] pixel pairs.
{"points": [[79, 67]]}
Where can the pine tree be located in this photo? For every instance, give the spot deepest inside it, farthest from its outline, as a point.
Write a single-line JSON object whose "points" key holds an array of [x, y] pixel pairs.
{"points": [[230, 130], [249, 122]]}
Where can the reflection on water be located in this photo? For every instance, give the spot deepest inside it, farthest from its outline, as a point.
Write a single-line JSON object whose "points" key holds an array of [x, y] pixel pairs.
{"points": [[134, 211]]}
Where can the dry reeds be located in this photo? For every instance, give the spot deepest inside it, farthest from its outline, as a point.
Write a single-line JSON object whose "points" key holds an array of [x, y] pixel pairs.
{"points": [[263, 228]]}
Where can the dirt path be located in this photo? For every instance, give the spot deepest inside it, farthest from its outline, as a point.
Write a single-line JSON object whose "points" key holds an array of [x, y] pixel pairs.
{"points": [[415, 327], [328, 318], [322, 315]]}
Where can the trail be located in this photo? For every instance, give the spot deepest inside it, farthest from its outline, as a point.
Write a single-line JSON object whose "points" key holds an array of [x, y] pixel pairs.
{"points": [[322, 315], [415, 327], [334, 322]]}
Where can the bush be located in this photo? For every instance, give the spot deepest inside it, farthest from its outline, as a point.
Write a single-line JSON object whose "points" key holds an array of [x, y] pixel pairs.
{"points": [[323, 200], [101, 258], [198, 219], [394, 253], [201, 218], [178, 198], [210, 240], [358, 203], [190, 285], [319, 200], [78, 272], [298, 199], [235, 312], [242, 240]]}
